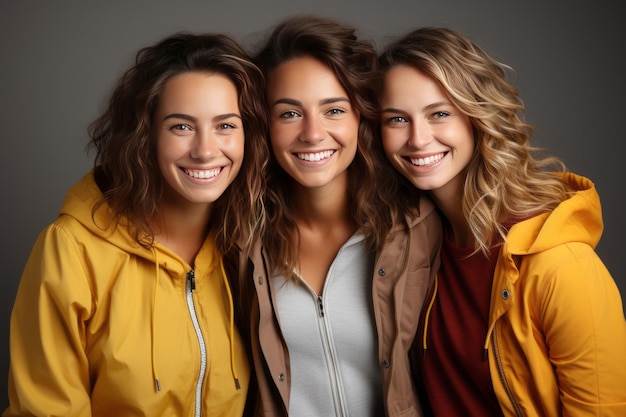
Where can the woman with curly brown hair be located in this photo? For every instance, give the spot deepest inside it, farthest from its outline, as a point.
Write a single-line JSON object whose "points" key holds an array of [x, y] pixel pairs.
{"points": [[339, 279], [124, 307], [523, 319]]}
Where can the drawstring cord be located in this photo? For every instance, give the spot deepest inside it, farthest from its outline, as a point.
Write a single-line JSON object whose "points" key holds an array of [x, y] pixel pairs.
{"points": [[153, 326], [427, 316], [232, 325]]}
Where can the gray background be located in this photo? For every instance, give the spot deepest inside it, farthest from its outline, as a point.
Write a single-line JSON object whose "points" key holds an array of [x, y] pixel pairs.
{"points": [[59, 60]]}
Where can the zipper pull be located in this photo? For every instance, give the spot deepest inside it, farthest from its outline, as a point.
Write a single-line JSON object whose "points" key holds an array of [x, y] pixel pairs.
{"points": [[191, 277], [321, 305]]}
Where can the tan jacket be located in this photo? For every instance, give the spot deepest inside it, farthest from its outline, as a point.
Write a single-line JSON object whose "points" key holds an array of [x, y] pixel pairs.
{"points": [[403, 271]]}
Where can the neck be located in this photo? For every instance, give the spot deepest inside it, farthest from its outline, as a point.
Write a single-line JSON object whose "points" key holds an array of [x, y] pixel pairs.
{"points": [[449, 203], [183, 230], [322, 207]]}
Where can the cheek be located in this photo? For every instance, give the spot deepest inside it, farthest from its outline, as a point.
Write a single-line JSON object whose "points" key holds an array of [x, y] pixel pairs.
{"points": [[280, 137], [392, 141], [347, 133], [236, 150], [167, 150]]}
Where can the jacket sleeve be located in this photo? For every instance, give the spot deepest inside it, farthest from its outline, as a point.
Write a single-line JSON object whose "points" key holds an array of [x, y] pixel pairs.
{"points": [[583, 319], [49, 372]]}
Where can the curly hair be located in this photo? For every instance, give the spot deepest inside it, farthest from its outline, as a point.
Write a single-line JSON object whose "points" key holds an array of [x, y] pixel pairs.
{"points": [[505, 179], [126, 160], [354, 63]]}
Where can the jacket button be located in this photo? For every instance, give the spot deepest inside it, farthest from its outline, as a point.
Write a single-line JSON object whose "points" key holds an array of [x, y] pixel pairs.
{"points": [[281, 377], [382, 272], [386, 363], [260, 279], [506, 294]]}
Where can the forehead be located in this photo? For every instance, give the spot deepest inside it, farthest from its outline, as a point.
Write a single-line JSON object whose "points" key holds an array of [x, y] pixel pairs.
{"points": [[197, 90], [409, 83], [303, 76]]}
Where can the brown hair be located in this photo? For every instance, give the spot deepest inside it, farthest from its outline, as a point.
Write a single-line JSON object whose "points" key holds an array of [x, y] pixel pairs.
{"points": [[126, 161], [353, 62]]}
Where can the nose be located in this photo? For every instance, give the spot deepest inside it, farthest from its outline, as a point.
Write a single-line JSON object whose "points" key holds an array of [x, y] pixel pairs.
{"points": [[205, 146], [312, 130], [420, 134]]}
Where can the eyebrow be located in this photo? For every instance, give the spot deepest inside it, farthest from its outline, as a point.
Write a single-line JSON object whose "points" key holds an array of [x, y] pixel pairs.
{"points": [[194, 119], [392, 110], [430, 106], [325, 101]]}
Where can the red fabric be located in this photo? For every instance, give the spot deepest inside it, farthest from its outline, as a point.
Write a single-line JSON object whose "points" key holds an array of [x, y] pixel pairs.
{"points": [[455, 375]]}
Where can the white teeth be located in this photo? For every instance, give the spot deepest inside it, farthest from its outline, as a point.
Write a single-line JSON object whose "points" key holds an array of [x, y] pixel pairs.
{"points": [[317, 156], [427, 161], [210, 173]]}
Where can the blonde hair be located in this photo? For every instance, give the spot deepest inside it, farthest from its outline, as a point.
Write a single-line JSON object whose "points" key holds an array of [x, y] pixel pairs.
{"points": [[504, 180]]}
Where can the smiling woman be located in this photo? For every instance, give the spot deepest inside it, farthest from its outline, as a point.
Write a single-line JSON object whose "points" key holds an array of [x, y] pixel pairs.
{"points": [[313, 127], [523, 317], [199, 138], [333, 265], [124, 303]]}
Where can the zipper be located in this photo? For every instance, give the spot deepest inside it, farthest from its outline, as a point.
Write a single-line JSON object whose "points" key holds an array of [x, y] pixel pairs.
{"points": [[505, 384], [339, 401], [190, 288]]}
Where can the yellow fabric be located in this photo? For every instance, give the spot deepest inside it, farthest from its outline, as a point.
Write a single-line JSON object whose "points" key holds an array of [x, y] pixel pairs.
{"points": [[557, 345], [83, 339]]}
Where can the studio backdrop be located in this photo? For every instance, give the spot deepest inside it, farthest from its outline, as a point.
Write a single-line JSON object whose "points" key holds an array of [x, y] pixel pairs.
{"points": [[61, 59]]}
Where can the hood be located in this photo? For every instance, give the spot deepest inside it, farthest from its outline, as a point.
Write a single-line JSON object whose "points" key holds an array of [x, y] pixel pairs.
{"points": [[79, 202], [577, 219]]}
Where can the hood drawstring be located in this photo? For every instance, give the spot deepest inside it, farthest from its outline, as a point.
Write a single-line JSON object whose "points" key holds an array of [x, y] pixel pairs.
{"points": [[232, 324], [153, 327], [427, 315]]}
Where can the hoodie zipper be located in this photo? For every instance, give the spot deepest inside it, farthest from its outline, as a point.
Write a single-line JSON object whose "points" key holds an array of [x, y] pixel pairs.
{"points": [[190, 288], [505, 384], [340, 409]]}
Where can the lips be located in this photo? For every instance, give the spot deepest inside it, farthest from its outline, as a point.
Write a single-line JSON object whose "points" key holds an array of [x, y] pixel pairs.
{"points": [[202, 173], [428, 160], [315, 156]]}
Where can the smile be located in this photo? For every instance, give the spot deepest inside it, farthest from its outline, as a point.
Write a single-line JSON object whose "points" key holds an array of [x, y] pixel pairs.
{"points": [[202, 174], [429, 160], [315, 156]]}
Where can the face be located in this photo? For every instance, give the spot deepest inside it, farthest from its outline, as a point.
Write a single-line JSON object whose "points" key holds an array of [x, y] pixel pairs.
{"points": [[428, 139], [200, 137], [313, 127]]}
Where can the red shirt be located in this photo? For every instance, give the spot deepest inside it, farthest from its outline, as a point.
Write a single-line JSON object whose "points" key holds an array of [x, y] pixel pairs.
{"points": [[455, 374]]}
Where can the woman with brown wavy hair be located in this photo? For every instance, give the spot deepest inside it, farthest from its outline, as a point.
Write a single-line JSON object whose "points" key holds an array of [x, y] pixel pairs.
{"points": [[124, 307], [523, 319], [339, 279]]}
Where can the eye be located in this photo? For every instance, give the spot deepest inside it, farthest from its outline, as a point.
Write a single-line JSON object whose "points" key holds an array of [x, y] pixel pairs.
{"points": [[182, 127], [288, 115], [226, 126], [397, 120], [335, 111], [440, 115]]}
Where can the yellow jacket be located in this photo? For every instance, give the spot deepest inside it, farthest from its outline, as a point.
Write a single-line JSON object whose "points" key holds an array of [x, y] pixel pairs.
{"points": [[557, 334], [100, 324]]}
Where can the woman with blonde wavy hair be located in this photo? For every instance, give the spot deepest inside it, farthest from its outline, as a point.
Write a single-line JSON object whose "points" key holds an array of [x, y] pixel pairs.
{"points": [[523, 317]]}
